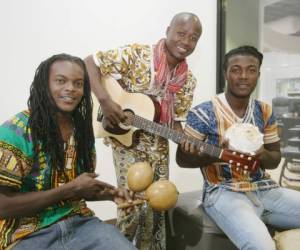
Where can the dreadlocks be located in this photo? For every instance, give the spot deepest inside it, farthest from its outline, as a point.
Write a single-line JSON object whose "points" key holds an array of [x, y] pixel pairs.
{"points": [[45, 132]]}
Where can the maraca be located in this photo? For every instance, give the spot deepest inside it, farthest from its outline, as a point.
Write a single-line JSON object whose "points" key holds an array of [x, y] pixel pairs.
{"points": [[139, 176], [161, 195]]}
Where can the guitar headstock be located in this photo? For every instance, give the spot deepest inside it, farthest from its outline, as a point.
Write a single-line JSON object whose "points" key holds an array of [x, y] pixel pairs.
{"points": [[239, 161]]}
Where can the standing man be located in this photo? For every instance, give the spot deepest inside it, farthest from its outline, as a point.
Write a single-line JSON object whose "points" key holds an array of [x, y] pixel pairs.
{"points": [[162, 71], [240, 203], [47, 164]]}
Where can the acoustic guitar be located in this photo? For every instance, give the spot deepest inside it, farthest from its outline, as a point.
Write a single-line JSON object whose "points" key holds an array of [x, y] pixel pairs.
{"points": [[141, 113]]}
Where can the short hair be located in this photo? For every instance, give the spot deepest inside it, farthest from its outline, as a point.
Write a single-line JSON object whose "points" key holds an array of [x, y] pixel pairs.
{"points": [[242, 50], [185, 15]]}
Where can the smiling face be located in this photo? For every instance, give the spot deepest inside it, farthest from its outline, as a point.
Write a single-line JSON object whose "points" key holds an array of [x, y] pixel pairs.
{"points": [[182, 37], [66, 80], [242, 74]]}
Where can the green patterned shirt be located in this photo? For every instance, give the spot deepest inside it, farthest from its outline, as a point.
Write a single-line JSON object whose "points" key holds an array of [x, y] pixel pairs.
{"points": [[19, 172]]}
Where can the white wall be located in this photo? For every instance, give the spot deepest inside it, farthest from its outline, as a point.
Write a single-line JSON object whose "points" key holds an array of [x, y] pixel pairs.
{"points": [[245, 30], [33, 30], [281, 53], [276, 66]]}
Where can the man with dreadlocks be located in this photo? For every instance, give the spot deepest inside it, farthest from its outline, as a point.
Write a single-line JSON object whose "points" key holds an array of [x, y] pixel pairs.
{"points": [[47, 163], [161, 71]]}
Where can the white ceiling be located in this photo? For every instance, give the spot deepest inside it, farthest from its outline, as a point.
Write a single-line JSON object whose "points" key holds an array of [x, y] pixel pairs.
{"points": [[283, 16], [281, 29]]}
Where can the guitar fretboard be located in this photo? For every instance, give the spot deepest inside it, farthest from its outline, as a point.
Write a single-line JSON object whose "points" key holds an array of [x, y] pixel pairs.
{"points": [[174, 135]]}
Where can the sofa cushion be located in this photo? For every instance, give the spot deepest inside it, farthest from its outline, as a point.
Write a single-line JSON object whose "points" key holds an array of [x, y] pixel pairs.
{"points": [[189, 204]]}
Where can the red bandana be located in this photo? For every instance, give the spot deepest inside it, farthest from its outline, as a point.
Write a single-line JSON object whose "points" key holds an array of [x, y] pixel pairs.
{"points": [[171, 81]]}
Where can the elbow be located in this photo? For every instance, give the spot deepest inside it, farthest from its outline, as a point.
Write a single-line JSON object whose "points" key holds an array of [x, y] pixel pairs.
{"points": [[271, 162], [89, 62], [88, 59], [5, 210], [179, 160], [277, 161], [184, 160]]}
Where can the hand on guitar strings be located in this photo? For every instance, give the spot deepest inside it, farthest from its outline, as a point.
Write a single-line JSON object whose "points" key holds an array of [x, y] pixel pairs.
{"points": [[188, 146], [112, 112]]}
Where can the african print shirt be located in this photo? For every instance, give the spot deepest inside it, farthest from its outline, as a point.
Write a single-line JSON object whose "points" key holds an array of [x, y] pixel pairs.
{"points": [[209, 121], [132, 66], [19, 172]]}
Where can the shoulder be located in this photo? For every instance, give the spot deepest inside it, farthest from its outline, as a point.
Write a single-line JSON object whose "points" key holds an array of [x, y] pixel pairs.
{"points": [[18, 123], [264, 108], [201, 111], [140, 51], [125, 50], [206, 106], [140, 47], [265, 112], [136, 48], [191, 78], [15, 133]]}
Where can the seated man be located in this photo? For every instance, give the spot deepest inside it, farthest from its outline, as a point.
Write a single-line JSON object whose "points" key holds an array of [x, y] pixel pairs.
{"points": [[240, 202], [47, 163]]}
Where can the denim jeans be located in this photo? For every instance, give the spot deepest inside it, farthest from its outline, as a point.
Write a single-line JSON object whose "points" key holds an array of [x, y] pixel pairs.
{"points": [[242, 215], [76, 233]]}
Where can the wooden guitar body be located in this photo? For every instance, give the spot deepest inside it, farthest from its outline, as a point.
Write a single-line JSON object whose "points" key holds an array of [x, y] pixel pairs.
{"points": [[136, 103]]}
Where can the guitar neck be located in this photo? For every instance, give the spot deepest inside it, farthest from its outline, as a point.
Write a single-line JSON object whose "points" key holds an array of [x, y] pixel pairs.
{"points": [[176, 136]]}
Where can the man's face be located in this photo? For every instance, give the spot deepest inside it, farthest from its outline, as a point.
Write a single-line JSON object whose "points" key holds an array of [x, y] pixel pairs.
{"points": [[182, 38], [242, 75], [66, 82]]}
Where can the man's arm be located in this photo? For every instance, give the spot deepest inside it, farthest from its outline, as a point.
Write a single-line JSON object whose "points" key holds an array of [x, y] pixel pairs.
{"points": [[188, 156], [15, 204], [270, 155], [111, 110], [95, 79]]}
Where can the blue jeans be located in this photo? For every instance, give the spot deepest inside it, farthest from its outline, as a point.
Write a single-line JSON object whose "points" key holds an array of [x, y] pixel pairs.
{"points": [[242, 216], [76, 233]]}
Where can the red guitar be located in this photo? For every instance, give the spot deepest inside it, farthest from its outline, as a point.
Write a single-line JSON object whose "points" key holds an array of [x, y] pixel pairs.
{"points": [[140, 111]]}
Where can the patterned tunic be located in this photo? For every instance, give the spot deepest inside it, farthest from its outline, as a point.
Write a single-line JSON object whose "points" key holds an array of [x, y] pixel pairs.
{"points": [[19, 171], [132, 66], [209, 121]]}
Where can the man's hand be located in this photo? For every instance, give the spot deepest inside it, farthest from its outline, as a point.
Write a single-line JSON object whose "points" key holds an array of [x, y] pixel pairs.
{"points": [[190, 148], [87, 187], [112, 112]]}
